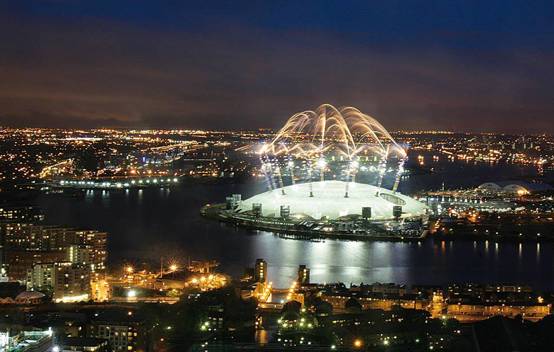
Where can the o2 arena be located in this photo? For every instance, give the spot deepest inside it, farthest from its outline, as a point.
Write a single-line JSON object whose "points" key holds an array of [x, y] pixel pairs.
{"points": [[328, 202], [325, 172]]}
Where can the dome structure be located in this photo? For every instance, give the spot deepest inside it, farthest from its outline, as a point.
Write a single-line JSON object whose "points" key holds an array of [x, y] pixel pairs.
{"points": [[328, 201], [26, 295], [489, 187], [515, 189], [324, 173], [29, 297], [518, 188]]}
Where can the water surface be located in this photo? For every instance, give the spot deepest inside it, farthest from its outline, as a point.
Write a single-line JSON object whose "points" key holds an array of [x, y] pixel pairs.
{"points": [[151, 223]]}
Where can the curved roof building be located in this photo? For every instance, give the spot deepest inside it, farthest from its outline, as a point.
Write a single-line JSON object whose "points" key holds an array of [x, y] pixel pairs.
{"points": [[329, 201], [514, 187]]}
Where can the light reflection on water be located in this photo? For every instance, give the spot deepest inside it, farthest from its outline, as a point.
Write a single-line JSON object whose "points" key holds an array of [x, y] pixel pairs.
{"points": [[150, 223], [426, 263]]}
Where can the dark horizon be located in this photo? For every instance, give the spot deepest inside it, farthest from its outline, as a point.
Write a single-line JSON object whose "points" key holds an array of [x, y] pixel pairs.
{"points": [[464, 67]]}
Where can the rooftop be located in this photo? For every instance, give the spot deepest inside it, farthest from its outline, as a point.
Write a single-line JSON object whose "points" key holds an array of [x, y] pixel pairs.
{"points": [[329, 200]]}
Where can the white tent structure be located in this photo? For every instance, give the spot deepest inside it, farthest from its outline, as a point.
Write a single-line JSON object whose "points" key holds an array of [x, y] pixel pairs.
{"points": [[328, 201]]}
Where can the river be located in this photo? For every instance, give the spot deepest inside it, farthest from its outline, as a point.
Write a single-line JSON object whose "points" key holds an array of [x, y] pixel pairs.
{"points": [[145, 225]]}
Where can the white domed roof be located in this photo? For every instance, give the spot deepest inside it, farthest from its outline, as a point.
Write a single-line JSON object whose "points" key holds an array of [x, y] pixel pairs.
{"points": [[490, 186], [328, 200], [27, 295]]}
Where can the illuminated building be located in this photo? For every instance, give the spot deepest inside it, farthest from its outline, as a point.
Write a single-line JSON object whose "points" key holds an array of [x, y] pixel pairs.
{"points": [[65, 281], [100, 290], [123, 330], [19, 261], [29, 298], [331, 203], [468, 312], [26, 244], [513, 188], [324, 172], [41, 277], [79, 254], [463, 302], [116, 183], [303, 275], [26, 340], [260, 271], [14, 293], [85, 344], [207, 282], [376, 301], [72, 282], [20, 214]]}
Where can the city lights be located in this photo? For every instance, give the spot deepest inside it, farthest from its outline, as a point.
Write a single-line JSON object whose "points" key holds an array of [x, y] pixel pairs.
{"points": [[187, 191]]}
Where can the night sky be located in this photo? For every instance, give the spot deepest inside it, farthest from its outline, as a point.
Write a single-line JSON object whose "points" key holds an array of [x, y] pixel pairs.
{"points": [[458, 65]]}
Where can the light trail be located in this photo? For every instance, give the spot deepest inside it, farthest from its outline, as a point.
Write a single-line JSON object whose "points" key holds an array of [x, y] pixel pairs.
{"points": [[329, 140]]}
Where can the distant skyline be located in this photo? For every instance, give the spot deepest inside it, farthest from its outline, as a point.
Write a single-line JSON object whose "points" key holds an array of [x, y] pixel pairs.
{"points": [[448, 65]]}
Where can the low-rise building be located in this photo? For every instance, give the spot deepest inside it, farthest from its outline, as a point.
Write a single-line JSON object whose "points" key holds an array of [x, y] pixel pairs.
{"points": [[473, 312], [123, 330], [26, 340], [84, 344]]}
